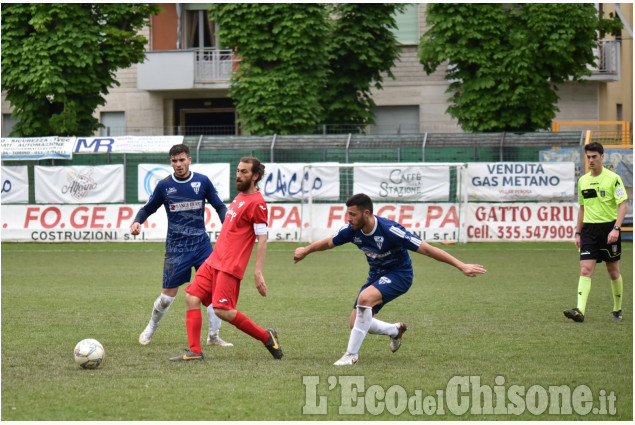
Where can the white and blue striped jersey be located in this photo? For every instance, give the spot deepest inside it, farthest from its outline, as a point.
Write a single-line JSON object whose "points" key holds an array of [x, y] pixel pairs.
{"points": [[184, 202], [386, 247]]}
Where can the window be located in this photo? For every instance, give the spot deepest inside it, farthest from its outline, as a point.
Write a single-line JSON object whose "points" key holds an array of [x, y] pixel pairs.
{"points": [[198, 30], [407, 31], [114, 123], [7, 124], [619, 113], [396, 120]]}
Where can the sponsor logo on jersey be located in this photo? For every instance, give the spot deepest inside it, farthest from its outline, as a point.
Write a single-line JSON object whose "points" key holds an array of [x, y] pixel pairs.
{"points": [[619, 192], [196, 186], [262, 207], [231, 213], [170, 190], [224, 300], [186, 206], [241, 204], [357, 240]]}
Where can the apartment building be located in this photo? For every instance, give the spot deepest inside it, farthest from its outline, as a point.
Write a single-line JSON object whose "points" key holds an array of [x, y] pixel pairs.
{"points": [[182, 87]]}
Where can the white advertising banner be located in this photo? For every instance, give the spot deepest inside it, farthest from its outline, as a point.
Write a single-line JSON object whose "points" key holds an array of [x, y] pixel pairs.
{"points": [[150, 175], [403, 182], [79, 184], [516, 222], [295, 181], [520, 181], [512, 222], [36, 148], [15, 185], [126, 144]]}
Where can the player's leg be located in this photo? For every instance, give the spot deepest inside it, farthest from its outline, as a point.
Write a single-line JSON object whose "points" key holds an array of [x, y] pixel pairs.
{"points": [[391, 286], [226, 291], [198, 292], [161, 306], [617, 288], [589, 254], [363, 314], [214, 327]]}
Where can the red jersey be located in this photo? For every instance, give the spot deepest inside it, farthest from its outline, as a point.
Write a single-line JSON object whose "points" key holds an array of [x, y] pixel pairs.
{"points": [[237, 236]]}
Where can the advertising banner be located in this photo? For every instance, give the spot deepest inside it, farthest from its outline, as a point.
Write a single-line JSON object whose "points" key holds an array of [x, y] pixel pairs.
{"points": [[150, 174], [403, 183], [126, 144], [36, 148], [517, 222], [15, 185], [297, 181], [520, 181], [79, 184]]}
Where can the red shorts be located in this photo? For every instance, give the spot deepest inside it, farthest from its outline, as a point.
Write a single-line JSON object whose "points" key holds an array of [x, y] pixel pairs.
{"points": [[215, 287]]}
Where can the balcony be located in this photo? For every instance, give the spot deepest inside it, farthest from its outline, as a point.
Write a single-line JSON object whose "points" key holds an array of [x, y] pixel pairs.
{"points": [[186, 69], [608, 62]]}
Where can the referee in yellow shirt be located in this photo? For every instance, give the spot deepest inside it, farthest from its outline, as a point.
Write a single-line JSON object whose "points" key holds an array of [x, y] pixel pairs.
{"points": [[601, 196]]}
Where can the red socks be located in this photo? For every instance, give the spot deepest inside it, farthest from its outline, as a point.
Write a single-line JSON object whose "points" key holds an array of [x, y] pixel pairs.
{"points": [[245, 324], [193, 323]]}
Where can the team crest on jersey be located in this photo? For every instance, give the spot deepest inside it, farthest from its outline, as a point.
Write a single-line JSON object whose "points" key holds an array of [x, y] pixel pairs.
{"points": [[602, 193], [170, 190], [196, 186], [241, 204], [384, 280], [379, 240]]}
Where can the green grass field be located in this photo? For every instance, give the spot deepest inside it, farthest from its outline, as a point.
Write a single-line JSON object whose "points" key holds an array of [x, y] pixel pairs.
{"points": [[505, 329]]}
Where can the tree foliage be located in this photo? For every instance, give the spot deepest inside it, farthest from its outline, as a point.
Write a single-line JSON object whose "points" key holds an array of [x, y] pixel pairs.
{"points": [[282, 51], [361, 47], [506, 60], [305, 64], [59, 60]]}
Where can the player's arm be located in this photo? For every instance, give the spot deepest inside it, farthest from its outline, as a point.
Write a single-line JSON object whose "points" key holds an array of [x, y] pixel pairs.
{"points": [[578, 226], [321, 245], [621, 213], [261, 251], [155, 201], [440, 255], [215, 201]]}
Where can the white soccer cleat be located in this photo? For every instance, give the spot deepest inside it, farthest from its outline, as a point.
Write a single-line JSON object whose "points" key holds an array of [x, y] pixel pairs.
{"points": [[216, 340], [146, 335], [395, 342], [347, 359]]}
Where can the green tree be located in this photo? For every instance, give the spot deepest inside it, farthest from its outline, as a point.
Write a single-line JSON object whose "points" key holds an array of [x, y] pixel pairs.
{"points": [[506, 60], [305, 64], [282, 51], [361, 46], [59, 60]]}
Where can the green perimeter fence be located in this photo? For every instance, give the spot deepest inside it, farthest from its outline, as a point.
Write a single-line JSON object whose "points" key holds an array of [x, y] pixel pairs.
{"points": [[340, 148]]}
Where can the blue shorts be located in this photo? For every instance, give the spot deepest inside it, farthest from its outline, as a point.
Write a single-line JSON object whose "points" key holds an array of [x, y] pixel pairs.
{"points": [[177, 266], [391, 285]]}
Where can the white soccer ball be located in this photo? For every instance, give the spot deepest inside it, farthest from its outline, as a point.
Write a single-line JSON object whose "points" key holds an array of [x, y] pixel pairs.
{"points": [[89, 353]]}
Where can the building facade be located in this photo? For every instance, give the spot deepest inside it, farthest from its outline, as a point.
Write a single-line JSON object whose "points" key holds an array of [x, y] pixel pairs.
{"points": [[182, 87]]}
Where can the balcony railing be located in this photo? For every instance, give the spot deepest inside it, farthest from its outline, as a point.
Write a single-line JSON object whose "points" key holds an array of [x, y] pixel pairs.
{"points": [[608, 62], [212, 65]]}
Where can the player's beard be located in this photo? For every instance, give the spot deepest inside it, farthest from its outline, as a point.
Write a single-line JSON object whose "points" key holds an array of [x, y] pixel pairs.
{"points": [[243, 186]]}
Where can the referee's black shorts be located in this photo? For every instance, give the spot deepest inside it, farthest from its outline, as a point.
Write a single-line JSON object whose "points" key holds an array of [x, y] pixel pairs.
{"points": [[593, 245]]}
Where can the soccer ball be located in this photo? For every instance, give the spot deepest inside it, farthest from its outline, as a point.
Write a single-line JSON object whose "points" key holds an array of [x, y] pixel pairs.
{"points": [[89, 353]]}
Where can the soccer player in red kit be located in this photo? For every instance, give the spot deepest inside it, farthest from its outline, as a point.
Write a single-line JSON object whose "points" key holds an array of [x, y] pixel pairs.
{"points": [[217, 281]]}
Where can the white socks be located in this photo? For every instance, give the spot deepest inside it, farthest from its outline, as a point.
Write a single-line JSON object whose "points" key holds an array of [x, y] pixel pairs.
{"points": [[214, 321], [383, 328], [363, 322], [161, 306]]}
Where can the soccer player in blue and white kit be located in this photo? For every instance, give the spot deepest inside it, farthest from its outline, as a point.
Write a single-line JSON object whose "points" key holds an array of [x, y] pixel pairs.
{"points": [[386, 244], [187, 244]]}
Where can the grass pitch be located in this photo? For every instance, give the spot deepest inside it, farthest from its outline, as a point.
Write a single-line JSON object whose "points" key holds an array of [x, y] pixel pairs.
{"points": [[505, 330]]}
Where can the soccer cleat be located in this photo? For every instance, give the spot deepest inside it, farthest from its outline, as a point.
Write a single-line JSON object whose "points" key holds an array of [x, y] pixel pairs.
{"points": [[347, 359], [273, 345], [188, 355], [395, 342], [147, 334], [574, 314], [617, 316], [216, 340]]}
